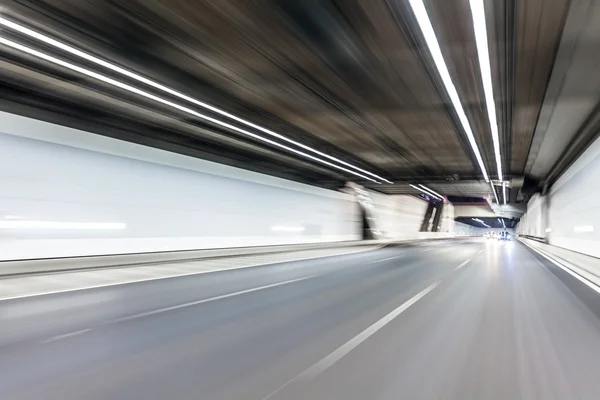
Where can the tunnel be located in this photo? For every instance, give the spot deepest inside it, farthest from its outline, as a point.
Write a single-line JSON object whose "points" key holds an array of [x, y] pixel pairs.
{"points": [[321, 199]]}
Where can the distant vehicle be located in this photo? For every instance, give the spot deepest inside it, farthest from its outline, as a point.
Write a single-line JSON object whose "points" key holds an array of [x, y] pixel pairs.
{"points": [[504, 236]]}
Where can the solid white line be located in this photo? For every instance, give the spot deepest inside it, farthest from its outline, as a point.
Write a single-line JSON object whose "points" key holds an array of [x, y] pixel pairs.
{"points": [[66, 335], [564, 268], [459, 266], [194, 303], [347, 347], [385, 259], [134, 280]]}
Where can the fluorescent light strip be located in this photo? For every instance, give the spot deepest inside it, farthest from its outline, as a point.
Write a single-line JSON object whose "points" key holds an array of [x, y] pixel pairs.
{"points": [[434, 48], [132, 89], [481, 222], [480, 30], [431, 191], [139, 78], [426, 192], [494, 191]]}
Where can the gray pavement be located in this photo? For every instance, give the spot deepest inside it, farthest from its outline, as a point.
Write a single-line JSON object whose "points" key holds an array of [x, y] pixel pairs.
{"points": [[393, 323]]}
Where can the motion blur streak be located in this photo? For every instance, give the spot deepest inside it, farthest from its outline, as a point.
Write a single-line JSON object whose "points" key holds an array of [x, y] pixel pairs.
{"points": [[480, 30], [139, 78], [436, 53], [469, 335], [193, 202], [137, 91]]}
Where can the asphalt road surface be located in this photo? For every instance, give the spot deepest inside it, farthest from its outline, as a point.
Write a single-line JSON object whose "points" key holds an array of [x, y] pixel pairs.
{"points": [[446, 320]]}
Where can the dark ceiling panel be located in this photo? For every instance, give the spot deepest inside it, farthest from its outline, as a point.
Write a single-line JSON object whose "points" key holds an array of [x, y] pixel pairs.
{"points": [[349, 77]]}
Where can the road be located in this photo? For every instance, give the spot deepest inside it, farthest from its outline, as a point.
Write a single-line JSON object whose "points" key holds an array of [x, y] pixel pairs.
{"points": [[446, 320]]}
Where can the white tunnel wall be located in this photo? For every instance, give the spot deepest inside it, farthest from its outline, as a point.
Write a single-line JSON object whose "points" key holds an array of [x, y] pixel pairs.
{"points": [[125, 198], [398, 216], [572, 219]]}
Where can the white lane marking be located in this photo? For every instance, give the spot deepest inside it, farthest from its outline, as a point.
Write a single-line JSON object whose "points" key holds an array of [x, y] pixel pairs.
{"points": [[178, 275], [347, 347], [197, 302], [385, 259], [459, 266], [480, 251], [66, 335], [427, 250], [564, 268]]}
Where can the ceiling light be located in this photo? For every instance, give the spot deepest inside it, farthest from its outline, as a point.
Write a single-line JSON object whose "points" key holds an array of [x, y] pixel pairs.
{"points": [[426, 192], [65, 47], [480, 30], [481, 222], [432, 191], [137, 91], [434, 48]]}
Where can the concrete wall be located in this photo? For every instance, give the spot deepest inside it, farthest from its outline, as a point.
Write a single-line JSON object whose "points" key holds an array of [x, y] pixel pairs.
{"points": [[533, 223], [572, 208], [398, 217], [448, 223], [461, 229], [65, 192], [473, 211]]}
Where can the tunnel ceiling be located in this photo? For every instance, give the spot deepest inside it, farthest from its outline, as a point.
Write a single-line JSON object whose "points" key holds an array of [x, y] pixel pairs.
{"points": [[352, 78]]}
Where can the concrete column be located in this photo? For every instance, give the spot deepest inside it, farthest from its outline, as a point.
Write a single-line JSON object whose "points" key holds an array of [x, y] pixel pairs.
{"points": [[427, 217], [435, 226]]}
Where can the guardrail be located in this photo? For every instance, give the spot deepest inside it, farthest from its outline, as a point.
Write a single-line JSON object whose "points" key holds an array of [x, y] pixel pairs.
{"points": [[66, 264], [586, 267]]}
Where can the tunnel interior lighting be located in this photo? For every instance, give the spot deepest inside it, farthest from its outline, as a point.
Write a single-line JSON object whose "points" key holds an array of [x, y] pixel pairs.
{"points": [[427, 192], [481, 39], [431, 191], [61, 225], [169, 103], [481, 222], [424, 22], [115, 68]]}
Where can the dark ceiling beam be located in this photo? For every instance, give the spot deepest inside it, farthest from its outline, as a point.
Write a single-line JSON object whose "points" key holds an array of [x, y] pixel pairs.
{"points": [[505, 26], [562, 63]]}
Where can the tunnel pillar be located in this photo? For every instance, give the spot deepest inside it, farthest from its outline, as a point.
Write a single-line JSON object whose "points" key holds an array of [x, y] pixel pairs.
{"points": [[435, 226], [427, 217]]}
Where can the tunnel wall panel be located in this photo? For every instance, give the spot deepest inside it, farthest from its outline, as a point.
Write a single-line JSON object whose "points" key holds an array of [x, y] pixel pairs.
{"points": [[65, 192], [573, 205], [398, 216], [569, 215]]}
